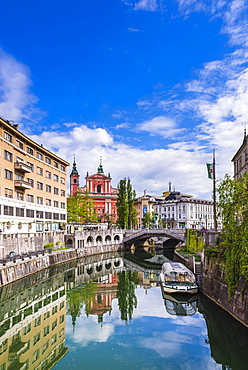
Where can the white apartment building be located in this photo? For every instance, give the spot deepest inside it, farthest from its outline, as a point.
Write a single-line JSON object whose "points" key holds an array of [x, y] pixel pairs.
{"points": [[32, 184], [178, 211]]}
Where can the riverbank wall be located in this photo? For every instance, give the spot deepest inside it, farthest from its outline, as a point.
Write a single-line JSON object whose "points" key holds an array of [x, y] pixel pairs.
{"points": [[214, 287], [23, 267], [210, 277]]}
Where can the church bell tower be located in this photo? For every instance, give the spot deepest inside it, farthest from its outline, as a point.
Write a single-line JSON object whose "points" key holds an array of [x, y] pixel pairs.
{"points": [[74, 179]]}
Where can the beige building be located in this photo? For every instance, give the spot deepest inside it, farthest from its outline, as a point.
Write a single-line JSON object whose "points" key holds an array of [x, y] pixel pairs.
{"points": [[143, 205], [240, 159], [32, 186], [32, 335]]}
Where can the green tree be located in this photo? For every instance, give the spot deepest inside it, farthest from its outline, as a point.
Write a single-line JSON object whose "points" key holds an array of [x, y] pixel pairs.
{"points": [[80, 208], [78, 299], [127, 215], [148, 220], [233, 204], [127, 300]]}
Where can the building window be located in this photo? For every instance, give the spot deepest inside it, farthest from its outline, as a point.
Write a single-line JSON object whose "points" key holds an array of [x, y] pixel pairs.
{"points": [[8, 156], [45, 346], [7, 136], [39, 155], [63, 205], [37, 321], [19, 159], [48, 215], [27, 329], [36, 338], [54, 324], [62, 180], [48, 202], [56, 191], [19, 212], [46, 330], [56, 216], [30, 198], [99, 188], [62, 193], [56, 165], [8, 211], [56, 178], [62, 216], [48, 175], [48, 188], [56, 203], [30, 150], [39, 214], [39, 200], [54, 310], [39, 171], [62, 168], [48, 160], [61, 319], [8, 193], [36, 355], [19, 144], [54, 339], [39, 185], [8, 174], [19, 177], [31, 166], [30, 213]]}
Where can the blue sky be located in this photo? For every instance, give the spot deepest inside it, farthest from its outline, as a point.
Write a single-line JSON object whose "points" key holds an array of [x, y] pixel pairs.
{"points": [[150, 85]]}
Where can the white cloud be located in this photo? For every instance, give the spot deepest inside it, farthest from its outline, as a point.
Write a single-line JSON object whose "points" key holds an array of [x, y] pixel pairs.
{"points": [[161, 126], [148, 5], [131, 29], [17, 102]]}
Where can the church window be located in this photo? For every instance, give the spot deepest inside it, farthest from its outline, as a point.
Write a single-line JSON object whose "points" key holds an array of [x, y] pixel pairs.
{"points": [[75, 180], [99, 188]]}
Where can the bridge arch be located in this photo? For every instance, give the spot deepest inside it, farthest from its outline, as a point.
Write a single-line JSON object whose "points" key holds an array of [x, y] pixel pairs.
{"points": [[108, 238], [116, 238], [89, 239], [99, 238]]}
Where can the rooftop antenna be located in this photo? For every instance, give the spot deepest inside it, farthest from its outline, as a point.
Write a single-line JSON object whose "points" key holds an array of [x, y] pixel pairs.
{"points": [[169, 186]]}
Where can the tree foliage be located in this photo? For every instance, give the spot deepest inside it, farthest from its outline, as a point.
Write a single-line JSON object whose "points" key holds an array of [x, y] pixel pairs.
{"points": [[148, 220], [194, 241], [80, 208], [127, 215], [127, 300], [233, 204], [79, 299]]}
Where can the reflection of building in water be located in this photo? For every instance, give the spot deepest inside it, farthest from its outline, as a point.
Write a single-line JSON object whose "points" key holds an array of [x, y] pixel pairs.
{"points": [[105, 292], [32, 328]]}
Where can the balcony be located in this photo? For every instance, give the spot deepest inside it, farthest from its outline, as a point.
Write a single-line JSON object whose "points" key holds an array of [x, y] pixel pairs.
{"points": [[23, 167], [22, 184]]}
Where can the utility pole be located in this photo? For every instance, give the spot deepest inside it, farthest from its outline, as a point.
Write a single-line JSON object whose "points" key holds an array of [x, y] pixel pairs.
{"points": [[214, 192]]}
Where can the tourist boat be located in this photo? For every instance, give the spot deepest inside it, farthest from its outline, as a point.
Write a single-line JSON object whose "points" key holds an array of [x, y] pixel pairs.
{"points": [[177, 278]]}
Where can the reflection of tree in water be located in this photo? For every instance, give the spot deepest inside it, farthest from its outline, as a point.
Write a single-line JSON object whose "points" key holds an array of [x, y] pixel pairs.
{"points": [[127, 300], [80, 298]]}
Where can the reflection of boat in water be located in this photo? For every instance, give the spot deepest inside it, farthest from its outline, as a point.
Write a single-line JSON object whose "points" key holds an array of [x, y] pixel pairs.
{"points": [[177, 278], [180, 304]]}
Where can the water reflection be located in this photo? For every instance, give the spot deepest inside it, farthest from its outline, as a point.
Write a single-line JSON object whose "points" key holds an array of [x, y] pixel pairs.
{"points": [[107, 311], [180, 304]]}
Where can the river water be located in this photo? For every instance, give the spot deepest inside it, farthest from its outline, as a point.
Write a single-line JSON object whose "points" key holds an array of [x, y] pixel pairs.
{"points": [[108, 312]]}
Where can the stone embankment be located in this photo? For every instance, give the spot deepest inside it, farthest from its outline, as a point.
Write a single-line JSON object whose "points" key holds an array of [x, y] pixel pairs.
{"points": [[211, 280], [20, 268], [214, 287]]}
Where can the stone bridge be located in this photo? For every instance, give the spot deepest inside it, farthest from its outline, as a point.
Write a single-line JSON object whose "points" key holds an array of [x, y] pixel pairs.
{"points": [[130, 238], [87, 239]]}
